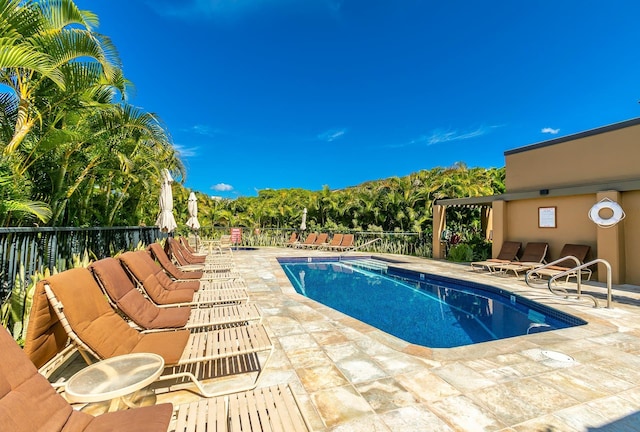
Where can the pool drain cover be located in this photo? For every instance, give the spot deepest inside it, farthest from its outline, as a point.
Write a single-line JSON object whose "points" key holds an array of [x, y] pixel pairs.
{"points": [[557, 356]]}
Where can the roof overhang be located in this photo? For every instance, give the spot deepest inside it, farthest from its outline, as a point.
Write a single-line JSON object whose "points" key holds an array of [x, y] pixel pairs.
{"points": [[486, 201], [592, 132]]}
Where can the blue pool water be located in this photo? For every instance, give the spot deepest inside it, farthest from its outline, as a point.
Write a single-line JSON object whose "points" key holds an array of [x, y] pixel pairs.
{"points": [[423, 309]]}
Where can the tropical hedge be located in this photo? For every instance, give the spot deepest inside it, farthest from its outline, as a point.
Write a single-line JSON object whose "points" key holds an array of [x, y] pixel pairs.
{"points": [[395, 204]]}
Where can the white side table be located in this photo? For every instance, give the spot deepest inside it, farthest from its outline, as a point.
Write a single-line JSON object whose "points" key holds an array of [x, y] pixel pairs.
{"points": [[113, 379]]}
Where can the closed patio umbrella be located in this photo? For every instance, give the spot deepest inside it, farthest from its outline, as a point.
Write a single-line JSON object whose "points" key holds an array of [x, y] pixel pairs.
{"points": [[303, 225], [166, 221], [192, 206]]}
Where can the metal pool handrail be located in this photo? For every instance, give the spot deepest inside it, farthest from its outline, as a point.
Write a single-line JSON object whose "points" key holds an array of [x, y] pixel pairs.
{"points": [[577, 271], [579, 279], [559, 260], [361, 246]]}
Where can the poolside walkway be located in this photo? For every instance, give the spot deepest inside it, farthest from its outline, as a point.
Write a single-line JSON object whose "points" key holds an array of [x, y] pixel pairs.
{"points": [[350, 376]]}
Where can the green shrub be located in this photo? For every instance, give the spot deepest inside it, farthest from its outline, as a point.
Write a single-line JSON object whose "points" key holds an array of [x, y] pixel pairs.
{"points": [[460, 253], [481, 248]]}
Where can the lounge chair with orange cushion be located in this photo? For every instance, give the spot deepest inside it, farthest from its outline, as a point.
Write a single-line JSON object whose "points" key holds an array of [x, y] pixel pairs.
{"points": [[320, 241], [508, 253], [293, 240], [29, 403], [185, 252], [140, 264], [347, 242], [124, 296], [533, 256], [73, 300], [185, 242], [143, 261], [189, 263], [158, 253], [21, 386], [155, 286], [577, 251], [311, 238], [335, 241]]}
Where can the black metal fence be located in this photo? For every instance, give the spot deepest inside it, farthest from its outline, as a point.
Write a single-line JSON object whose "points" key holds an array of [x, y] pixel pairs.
{"points": [[404, 243], [40, 248]]}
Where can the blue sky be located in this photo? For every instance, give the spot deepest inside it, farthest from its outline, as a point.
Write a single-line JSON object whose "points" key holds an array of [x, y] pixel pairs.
{"points": [[277, 94]]}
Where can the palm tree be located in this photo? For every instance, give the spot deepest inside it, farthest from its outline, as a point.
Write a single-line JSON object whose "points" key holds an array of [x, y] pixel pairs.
{"points": [[46, 51]]}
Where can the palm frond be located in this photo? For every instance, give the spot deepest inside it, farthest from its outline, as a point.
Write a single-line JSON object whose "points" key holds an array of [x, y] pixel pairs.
{"points": [[38, 209]]}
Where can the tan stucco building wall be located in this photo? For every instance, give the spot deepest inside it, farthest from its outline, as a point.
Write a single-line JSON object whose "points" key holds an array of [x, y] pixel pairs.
{"points": [[591, 157], [572, 223], [571, 174]]}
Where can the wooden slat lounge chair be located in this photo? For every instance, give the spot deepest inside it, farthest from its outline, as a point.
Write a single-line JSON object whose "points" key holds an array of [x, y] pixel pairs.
{"points": [[533, 256], [185, 242], [223, 246], [321, 240], [21, 386], [74, 301], [335, 241], [184, 252], [186, 263], [265, 409], [151, 283], [580, 252], [141, 265], [508, 253], [156, 251], [212, 255], [293, 240], [124, 296], [275, 408], [311, 238], [347, 242], [29, 403]]}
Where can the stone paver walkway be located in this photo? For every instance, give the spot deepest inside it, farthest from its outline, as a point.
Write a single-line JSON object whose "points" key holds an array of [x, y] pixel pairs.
{"points": [[350, 376]]}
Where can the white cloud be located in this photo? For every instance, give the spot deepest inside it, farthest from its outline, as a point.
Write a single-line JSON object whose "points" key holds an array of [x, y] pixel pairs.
{"points": [[331, 135], [186, 151], [203, 130], [440, 136], [550, 130], [222, 187]]}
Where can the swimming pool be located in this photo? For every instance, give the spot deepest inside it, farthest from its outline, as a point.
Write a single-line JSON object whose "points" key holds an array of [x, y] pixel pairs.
{"points": [[423, 309]]}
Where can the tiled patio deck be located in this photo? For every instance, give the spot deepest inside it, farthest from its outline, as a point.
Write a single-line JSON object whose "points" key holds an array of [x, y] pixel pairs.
{"points": [[352, 377]]}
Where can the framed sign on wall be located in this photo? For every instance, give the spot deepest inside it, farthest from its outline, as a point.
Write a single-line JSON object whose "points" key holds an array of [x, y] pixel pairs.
{"points": [[546, 217]]}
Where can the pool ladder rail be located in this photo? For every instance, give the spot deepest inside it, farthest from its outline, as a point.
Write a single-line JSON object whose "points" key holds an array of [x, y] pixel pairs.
{"points": [[355, 248], [369, 264], [575, 271]]}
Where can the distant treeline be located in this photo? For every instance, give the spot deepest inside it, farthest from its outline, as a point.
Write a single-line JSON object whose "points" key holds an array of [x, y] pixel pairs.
{"points": [[392, 204]]}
